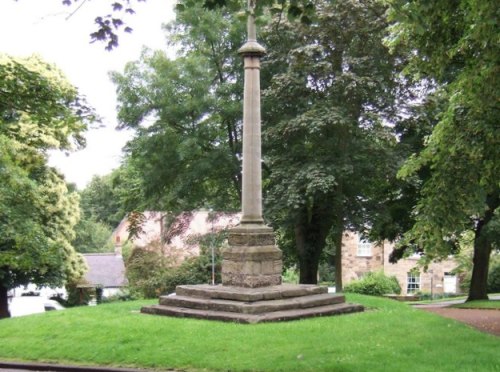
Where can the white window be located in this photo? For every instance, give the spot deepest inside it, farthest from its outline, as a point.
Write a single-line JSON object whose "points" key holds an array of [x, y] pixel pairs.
{"points": [[413, 282], [364, 248]]}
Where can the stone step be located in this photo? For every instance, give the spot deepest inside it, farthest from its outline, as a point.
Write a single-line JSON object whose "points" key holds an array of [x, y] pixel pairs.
{"points": [[249, 294], [255, 307], [292, 314]]}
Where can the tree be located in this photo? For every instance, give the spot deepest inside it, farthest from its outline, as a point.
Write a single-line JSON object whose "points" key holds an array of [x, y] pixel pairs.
{"points": [[100, 201], [187, 115], [102, 209], [453, 45], [92, 236], [327, 148], [39, 110], [328, 105]]}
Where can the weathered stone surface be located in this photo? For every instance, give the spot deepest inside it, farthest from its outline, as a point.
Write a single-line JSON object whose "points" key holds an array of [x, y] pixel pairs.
{"points": [[252, 266], [252, 253], [252, 305], [256, 307], [250, 237], [249, 294], [285, 315], [249, 280]]}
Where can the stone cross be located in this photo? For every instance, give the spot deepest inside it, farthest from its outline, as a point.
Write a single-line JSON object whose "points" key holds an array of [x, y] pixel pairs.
{"points": [[252, 51], [252, 259]]}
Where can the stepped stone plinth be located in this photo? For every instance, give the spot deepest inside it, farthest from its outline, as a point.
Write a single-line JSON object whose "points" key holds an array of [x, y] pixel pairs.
{"points": [[252, 305]]}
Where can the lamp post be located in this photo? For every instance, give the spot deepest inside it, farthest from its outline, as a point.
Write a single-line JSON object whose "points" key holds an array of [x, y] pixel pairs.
{"points": [[212, 238], [432, 283]]}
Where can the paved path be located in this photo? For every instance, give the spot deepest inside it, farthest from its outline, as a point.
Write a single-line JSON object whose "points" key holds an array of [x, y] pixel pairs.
{"points": [[481, 319]]}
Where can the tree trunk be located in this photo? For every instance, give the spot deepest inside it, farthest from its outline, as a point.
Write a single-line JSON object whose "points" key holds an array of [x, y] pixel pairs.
{"points": [[308, 259], [481, 261], [308, 268], [482, 250], [311, 232], [308, 271], [4, 302]]}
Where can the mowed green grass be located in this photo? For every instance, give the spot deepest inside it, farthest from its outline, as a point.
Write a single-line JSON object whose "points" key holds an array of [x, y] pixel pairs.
{"points": [[480, 304], [389, 336]]}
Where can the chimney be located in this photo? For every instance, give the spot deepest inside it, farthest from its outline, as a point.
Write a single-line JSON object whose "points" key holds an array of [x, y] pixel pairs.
{"points": [[118, 246]]}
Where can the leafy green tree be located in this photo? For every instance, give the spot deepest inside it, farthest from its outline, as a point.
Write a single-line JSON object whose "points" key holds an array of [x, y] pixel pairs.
{"points": [[333, 83], [187, 115], [92, 236], [396, 198], [102, 210], [100, 201], [453, 44], [39, 110], [327, 148]]}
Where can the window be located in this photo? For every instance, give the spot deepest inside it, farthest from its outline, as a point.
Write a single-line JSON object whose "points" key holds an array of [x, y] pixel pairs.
{"points": [[364, 248], [413, 282]]}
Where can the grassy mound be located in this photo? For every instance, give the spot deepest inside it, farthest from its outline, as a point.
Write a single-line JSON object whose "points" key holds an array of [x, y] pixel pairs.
{"points": [[389, 336]]}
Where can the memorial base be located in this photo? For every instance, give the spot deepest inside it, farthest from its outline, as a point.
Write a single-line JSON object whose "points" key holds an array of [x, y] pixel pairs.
{"points": [[251, 290], [252, 305]]}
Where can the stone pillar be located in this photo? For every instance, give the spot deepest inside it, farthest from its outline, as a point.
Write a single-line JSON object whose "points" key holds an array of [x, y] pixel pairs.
{"points": [[252, 259], [251, 202]]}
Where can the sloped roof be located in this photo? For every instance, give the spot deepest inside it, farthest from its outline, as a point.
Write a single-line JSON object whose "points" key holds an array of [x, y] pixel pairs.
{"points": [[105, 269]]}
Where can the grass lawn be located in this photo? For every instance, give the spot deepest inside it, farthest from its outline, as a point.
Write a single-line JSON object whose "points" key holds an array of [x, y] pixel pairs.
{"points": [[481, 304], [390, 336]]}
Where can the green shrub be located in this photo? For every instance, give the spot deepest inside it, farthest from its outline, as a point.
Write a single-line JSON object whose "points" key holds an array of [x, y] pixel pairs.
{"points": [[151, 272], [326, 273], [146, 269], [78, 294], [290, 276], [375, 284], [194, 270], [494, 279]]}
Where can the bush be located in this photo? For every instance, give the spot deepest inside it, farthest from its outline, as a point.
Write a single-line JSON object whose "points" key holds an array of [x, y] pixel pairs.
{"points": [[494, 279], [146, 268], [151, 272], [375, 284], [194, 270], [290, 276], [79, 293]]}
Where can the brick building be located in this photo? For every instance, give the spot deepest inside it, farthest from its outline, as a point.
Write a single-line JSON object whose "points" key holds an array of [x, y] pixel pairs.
{"points": [[360, 257]]}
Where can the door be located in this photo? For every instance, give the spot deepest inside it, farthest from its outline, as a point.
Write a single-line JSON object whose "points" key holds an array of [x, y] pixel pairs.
{"points": [[450, 283]]}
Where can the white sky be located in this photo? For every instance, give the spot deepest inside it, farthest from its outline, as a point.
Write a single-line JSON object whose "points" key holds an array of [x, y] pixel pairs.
{"points": [[42, 27]]}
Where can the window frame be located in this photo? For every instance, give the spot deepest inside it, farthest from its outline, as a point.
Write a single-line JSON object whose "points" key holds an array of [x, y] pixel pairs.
{"points": [[364, 248], [413, 281]]}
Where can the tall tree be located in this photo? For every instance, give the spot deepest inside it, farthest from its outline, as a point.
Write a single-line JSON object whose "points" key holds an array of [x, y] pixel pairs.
{"points": [[327, 147], [100, 201], [187, 115], [453, 44], [334, 84], [92, 236], [39, 110]]}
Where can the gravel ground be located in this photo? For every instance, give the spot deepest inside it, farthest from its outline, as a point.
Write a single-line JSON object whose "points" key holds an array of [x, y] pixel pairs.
{"points": [[484, 320]]}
